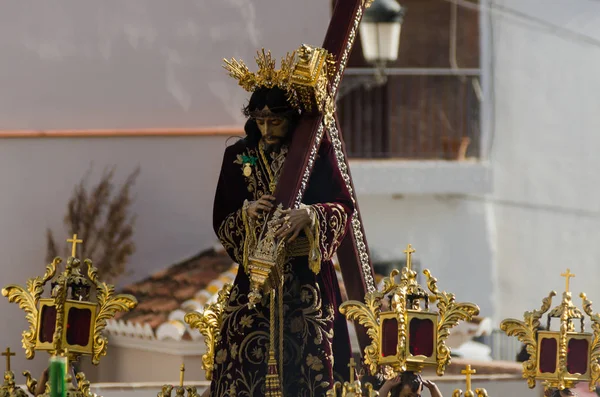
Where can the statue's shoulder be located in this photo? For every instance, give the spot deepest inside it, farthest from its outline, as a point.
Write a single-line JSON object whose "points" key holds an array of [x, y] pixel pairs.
{"points": [[236, 149]]}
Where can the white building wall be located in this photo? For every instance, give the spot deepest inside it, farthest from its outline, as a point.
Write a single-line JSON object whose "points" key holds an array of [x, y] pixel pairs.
{"points": [[451, 236], [544, 149]]}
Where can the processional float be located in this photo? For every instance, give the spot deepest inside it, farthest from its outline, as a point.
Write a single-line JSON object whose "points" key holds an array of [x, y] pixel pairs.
{"points": [[68, 323], [565, 355]]}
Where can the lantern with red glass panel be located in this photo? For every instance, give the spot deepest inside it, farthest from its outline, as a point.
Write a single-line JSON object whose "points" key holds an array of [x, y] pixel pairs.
{"points": [[406, 333], [69, 320], [563, 354]]}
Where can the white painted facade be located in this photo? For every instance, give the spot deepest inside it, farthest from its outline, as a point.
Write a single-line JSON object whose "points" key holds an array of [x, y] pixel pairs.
{"points": [[543, 142]]}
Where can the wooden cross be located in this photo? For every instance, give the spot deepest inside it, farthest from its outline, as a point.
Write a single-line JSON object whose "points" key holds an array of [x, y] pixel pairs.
{"points": [[468, 372], [568, 275], [7, 353], [352, 366], [75, 241], [353, 253], [409, 251]]}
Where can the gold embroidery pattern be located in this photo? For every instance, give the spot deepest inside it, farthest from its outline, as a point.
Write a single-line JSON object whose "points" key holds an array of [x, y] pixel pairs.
{"points": [[335, 223], [231, 233], [241, 357]]}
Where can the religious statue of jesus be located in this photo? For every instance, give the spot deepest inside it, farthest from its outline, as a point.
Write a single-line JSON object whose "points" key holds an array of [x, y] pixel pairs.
{"points": [[305, 346]]}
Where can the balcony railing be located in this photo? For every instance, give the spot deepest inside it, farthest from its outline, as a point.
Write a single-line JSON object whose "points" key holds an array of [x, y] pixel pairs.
{"points": [[416, 114]]}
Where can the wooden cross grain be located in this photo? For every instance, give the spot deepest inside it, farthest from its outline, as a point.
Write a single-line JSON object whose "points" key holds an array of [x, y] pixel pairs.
{"points": [[353, 253], [7, 353]]}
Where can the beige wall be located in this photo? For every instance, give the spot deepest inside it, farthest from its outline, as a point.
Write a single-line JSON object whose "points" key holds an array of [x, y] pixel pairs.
{"points": [[127, 364], [138, 63], [174, 204]]}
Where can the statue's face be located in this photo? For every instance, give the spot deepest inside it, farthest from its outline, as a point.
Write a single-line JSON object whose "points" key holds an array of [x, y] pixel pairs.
{"points": [[273, 128]]}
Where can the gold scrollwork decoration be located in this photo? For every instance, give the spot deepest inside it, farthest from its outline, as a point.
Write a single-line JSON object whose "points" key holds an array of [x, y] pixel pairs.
{"points": [[209, 324], [450, 313], [108, 305], [595, 346], [525, 332], [367, 315], [27, 299]]}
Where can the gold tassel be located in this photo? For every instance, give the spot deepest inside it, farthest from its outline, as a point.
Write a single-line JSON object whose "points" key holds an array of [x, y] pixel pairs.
{"points": [[280, 310], [273, 383]]}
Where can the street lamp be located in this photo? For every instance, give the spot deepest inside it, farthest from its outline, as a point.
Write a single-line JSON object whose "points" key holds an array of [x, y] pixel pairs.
{"points": [[380, 33]]}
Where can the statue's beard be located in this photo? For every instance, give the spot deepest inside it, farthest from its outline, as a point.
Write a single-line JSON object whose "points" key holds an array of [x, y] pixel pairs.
{"points": [[275, 145]]}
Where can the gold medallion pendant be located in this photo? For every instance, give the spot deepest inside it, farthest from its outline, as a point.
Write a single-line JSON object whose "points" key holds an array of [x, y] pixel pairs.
{"points": [[247, 170]]}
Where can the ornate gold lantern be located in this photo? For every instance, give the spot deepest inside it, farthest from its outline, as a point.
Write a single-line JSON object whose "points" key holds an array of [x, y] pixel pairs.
{"points": [[181, 390], [559, 358], [69, 322], [408, 335], [468, 392]]}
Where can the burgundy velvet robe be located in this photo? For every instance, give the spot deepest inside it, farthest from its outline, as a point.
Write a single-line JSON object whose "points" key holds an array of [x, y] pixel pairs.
{"points": [[311, 301]]}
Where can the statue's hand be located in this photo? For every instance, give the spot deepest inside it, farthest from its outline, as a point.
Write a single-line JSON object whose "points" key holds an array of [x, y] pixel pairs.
{"points": [[258, 207], [292, 223]]}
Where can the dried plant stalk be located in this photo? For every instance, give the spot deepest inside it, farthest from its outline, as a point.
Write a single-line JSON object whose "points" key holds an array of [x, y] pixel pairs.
{"points": [[103, 221]]}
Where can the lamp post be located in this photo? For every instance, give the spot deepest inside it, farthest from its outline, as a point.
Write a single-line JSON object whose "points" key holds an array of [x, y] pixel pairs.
{"points": [[380, 34]]}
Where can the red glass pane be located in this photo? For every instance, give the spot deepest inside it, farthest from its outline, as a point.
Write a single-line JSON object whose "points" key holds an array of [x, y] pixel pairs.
{"points": [[548, 351], [577, 356], [421, 337], [78, 326], [47, 324], [389, 336]]}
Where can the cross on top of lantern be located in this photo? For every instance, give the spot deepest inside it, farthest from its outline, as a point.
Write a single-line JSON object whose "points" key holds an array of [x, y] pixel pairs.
{"points": [[408, 334], [468, 392], [180, 390], [566, 355], [68, 320], [9, 388]]}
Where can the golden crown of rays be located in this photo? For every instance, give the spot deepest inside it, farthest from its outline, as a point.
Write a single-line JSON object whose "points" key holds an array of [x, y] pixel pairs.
{"points": [[266, 76], [304, 74]]}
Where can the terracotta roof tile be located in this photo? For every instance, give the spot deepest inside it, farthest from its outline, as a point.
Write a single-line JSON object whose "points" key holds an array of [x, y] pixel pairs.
{"points": [[164, 291]]}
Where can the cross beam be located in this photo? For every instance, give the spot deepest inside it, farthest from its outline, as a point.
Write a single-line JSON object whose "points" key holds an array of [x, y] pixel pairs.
{"points": [[353, 253]]}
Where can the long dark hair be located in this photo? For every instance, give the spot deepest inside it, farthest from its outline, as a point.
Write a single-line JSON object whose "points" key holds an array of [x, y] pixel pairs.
{"points": [[410, 379], [276, 100]]}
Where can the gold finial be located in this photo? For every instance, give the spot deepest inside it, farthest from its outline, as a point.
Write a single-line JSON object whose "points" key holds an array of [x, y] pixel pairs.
{"points": [[352, 366], [75, 241], [468, 372], [568, 275], [409, 251], [181, 372], [7, 353]]}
